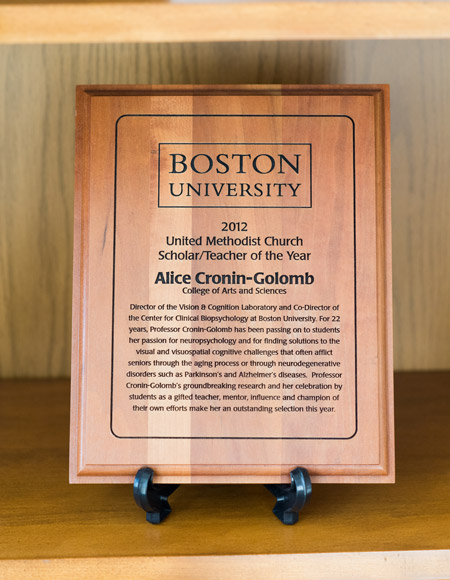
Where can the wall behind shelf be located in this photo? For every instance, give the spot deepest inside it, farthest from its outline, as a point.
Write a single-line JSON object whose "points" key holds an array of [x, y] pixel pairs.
{"points": [[37, 88]]}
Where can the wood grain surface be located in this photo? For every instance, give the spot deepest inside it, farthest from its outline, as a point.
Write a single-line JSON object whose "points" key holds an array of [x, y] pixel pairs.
{"points": [[392, 565], [126, 218], [156, 21], [37, 160], [45, 518]]}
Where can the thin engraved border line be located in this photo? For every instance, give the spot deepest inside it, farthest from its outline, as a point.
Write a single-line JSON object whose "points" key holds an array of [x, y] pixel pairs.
{"points": [[234, 206], [354, 272]]}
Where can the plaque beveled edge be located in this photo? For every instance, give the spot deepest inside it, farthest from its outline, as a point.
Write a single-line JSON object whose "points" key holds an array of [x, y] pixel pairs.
{"points": [[384, 471]]}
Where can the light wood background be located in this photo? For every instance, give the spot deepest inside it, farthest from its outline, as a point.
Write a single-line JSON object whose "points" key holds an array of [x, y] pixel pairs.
{"points": [[37, 88]]}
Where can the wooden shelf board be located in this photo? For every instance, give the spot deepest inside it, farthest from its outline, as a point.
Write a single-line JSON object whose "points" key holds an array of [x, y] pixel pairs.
{"points": [[369, 565], [85, 22], [45, 518]]}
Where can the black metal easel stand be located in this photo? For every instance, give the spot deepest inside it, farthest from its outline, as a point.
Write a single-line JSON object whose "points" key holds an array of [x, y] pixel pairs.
{"points": [[151, 497], [291, 498]]}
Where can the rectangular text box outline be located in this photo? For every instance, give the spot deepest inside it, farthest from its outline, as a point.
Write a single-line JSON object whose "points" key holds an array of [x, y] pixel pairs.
{"points": [[237, 206], [354, 272]]}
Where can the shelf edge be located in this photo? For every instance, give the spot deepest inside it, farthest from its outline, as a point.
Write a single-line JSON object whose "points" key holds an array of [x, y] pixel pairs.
{"points": [[430, 564], [57, 23]]}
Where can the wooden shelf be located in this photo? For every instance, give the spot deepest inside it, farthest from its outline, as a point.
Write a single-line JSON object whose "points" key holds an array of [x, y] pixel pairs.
{"points": [[159, 21], [52, 529]]}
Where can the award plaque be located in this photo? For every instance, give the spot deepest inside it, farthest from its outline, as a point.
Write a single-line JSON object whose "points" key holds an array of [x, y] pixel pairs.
{"points": [[232, 284]]}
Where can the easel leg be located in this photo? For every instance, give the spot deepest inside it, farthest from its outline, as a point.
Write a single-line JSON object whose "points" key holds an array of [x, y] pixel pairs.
{"points": [[291, 498], [152, 498]]}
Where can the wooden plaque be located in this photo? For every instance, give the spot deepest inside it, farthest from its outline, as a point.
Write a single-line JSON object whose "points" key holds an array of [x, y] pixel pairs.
{"points": [[232, 284]]}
